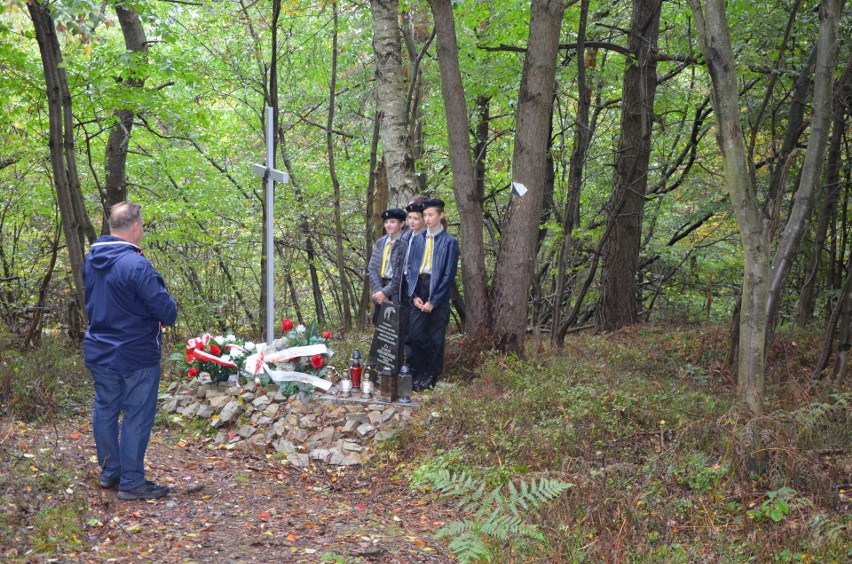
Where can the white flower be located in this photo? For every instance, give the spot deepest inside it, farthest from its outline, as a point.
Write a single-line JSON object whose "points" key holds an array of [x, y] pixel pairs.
{"points": [[230, 337], [300, 329], [249, 346], [237, 353], [226, 358], [219, 340]]}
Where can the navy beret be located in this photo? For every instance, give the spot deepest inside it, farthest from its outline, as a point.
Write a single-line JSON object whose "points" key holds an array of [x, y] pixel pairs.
{"points": [[417, 208], [433, 203], [394, 213]]}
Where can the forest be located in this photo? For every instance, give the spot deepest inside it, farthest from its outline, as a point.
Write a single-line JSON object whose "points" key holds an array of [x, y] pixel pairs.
{"points": [[607, 167]]}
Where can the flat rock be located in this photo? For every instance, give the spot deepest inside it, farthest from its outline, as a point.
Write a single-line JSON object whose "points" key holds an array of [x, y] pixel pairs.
{"points": [[299, 460], [365, 430]]}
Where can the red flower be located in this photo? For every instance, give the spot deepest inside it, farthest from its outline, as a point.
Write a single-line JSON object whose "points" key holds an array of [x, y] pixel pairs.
{"points": [[316, 361], [326, 335], [192, 372], [199, 345], [214, 349], [189, 355], [286, 325]]}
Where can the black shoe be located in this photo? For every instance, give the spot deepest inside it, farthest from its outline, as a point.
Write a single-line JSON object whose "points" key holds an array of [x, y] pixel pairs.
{"points": [[147, 490], [421, 383], [109, 484], [113, 484]]}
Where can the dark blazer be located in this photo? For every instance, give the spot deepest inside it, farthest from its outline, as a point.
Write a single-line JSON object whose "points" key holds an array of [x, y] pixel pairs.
{"points": [[392, 288], [445, 258]]}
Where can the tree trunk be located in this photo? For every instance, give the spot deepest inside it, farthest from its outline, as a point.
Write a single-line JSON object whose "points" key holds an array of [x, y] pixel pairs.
{"points": [[841, 362], [465, 187], [831, 193], [618, 302], [392, 99], [75, 222], [307, 233], [516, 257], [32, 335], [329, 141], [715, 42], [119, 136], [571, 215], [841, 312], [791, 239]]}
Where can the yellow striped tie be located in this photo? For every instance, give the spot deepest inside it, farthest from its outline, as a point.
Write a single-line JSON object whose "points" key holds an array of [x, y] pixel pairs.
{"points": [[426, 266], [385, 257]]}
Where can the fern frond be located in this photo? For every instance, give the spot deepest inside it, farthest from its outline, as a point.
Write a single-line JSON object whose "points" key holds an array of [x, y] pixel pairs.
{"points": [[457, 528], [496, 515], [470, 547]]}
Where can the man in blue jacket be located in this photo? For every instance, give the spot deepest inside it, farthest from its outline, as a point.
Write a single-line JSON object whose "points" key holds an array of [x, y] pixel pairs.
{"points": [[430, 272], [127, 305]]}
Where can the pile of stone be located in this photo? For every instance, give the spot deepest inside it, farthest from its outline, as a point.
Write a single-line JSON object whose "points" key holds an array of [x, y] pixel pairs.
{"points": [[319, 427]]}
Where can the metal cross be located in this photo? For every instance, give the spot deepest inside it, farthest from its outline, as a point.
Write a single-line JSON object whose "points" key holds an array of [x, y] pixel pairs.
{"points": [[271, 176]]}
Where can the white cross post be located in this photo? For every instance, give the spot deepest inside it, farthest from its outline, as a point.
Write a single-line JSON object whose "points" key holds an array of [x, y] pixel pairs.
{"points": [[271, 176]]}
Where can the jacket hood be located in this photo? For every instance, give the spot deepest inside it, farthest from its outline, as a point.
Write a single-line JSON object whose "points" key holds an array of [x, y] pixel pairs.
{"points": [[108, 249]]}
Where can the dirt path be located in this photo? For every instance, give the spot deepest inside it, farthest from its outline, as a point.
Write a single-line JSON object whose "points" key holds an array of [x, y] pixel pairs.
{"points": [[237, 506]]}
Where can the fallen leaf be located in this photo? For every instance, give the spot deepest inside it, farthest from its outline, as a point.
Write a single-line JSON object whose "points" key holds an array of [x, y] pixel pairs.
{"points": [[264, 515], [75, 435], [291, 537]]}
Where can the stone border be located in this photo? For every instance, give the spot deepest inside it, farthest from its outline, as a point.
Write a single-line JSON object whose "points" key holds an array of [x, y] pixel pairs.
{"points": [[321, 427]]}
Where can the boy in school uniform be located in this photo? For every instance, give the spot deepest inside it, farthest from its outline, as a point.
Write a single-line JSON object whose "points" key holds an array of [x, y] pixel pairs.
{"points": [[416, 226], [432, 267], [385, 268]]}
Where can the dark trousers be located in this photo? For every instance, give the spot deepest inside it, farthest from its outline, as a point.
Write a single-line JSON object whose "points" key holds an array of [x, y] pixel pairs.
{"points": [[121, 446], [404, 311], [426, 335]]}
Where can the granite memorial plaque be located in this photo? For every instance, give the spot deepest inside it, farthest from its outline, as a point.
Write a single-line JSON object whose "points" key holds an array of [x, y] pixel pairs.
{"points": [[387, 346]]}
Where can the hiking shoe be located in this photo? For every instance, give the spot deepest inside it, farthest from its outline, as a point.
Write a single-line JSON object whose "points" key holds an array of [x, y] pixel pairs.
{"points": [[147, 490], [109, 484], [113, 484]]}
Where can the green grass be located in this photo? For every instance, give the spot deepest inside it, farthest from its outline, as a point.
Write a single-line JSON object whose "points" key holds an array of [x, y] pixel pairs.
{"points": [[644, 423]]}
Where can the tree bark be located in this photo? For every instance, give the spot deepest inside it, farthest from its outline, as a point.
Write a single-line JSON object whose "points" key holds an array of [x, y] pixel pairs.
{"points": [[75, 222], [582, 135], [465, 186], [329, 141], [516, 257], [831, 194], [791, 238], [32, 335], [391, 94], [618, 305], [828, 208], [115, 188], [715, 42]]}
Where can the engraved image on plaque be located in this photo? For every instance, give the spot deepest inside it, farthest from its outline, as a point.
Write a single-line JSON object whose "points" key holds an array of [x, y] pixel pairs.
{"points": [[387, 343]]}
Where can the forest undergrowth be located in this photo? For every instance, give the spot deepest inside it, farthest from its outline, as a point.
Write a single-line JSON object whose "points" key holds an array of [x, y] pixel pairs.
{"points": [[619, 447]]}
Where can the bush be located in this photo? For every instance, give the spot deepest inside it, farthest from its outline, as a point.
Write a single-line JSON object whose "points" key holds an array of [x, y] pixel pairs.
{"points": [[44, 383]]}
